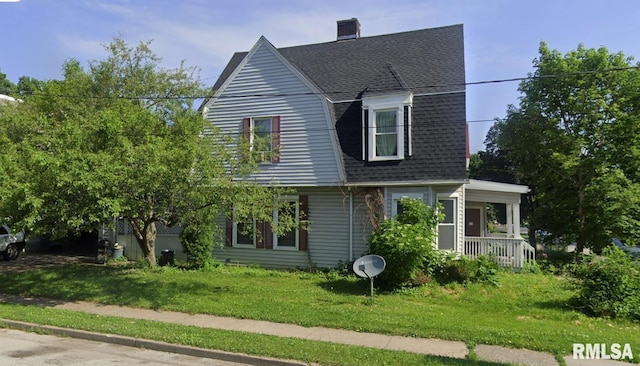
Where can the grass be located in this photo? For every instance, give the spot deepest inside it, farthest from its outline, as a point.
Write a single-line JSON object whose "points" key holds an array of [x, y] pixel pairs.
{"points": [[322, 353], [527, 311]]}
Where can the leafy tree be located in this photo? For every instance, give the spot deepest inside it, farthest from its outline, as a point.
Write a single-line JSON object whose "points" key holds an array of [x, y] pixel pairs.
{"points": [[6, 86], [122, 139], [28, 85], [574, 138]]}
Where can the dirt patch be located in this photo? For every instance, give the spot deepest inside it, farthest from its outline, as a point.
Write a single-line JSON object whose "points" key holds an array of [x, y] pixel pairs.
{"points": [[29, 261]]}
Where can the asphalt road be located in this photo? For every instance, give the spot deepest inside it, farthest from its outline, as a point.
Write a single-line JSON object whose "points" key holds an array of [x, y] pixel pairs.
{"points": [[19, 348]]}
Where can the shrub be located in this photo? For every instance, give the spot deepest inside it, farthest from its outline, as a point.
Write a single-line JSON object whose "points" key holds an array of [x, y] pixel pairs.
{"points": [[406, 244], [197, 241], [609, 286], [464, 270], [553, 261]]}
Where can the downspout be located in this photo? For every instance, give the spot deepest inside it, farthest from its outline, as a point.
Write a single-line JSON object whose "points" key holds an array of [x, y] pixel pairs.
{"points": [[350, 225], [384, 198]]}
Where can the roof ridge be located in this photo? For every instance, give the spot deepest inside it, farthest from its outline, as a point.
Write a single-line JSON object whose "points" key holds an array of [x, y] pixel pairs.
{"points": [[373, 36]]}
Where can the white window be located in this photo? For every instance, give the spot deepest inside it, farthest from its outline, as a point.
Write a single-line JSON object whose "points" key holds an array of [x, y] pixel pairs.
{"points": [[244, 234], [249, 233], [384, 138], [447, 229], [396, 205], [263, 134], [385, 134], [290, 239]]}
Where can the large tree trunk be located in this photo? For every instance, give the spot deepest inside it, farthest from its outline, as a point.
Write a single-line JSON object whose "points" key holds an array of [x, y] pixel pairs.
{"points": [[582, 238], [145, 233]]}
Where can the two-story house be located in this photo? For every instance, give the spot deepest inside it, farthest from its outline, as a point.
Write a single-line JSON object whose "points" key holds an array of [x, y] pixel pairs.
{"points": [[356, 124]]}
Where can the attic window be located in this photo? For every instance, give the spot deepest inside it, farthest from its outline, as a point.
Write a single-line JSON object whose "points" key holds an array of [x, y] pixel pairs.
{"points": [[263, 134], [384, 127]]}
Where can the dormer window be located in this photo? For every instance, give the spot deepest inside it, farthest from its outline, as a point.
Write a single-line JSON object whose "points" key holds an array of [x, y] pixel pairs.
{"points": [[384, 126], [386, 136]]}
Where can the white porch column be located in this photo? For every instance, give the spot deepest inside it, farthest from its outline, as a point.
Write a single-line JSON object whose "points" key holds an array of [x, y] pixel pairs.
{"points": [[516, 221], [509, 220]]}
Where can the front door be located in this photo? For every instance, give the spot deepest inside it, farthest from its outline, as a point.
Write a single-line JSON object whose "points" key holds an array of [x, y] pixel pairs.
{"points": [[472, 222]]}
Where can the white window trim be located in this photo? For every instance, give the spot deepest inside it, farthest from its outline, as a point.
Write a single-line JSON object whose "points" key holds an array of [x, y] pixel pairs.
{"points": [[263, 159], [395, 197], [455, 199], [235, 243], [399, 132], [276, 246], [395, 102]]}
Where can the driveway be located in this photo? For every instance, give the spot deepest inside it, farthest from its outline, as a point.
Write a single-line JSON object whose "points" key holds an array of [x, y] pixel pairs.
{"points": [[28, 261]]}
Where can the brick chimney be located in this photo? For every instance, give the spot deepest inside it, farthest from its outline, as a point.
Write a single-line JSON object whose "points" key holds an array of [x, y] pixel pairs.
{"points": [[348, 29]]}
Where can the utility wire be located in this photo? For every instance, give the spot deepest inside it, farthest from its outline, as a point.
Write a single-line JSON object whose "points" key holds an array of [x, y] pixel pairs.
{"points": [[484, 82], [266, 95]]}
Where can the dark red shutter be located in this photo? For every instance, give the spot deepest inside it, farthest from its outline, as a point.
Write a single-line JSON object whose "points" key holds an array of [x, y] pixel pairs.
{"points": [[275, 139], [366, 133], [303, 235], [268, 236], [246, 128], [229, 233], [260, 235]]}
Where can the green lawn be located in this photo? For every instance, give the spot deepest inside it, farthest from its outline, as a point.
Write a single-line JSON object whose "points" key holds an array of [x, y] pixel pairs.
{"points": [[527, 311]]}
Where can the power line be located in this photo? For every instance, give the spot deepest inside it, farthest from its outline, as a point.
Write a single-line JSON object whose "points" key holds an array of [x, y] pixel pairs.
{"points": [[267, 95]]}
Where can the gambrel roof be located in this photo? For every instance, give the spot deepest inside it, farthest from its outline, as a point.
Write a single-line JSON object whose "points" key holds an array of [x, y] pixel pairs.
{"points": [[427, 63]]}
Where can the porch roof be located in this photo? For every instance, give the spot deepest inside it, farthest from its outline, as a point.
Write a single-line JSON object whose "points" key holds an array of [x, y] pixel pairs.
{"points": [[485, 185], [496, 192]]}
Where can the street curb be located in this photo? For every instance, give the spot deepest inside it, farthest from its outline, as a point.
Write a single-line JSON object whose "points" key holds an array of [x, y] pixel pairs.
{"points": [[147, 344]]}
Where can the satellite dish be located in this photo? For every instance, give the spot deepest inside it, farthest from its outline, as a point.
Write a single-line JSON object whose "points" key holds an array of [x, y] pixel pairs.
{"points": [[369, 266]]}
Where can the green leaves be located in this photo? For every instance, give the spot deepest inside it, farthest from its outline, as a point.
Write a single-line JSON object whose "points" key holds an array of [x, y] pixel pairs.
{"points": [[406, 242], [574, 140], [118, 139]]}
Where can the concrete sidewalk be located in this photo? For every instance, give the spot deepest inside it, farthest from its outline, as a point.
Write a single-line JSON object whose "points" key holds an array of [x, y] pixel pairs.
{"points": [[434, 347]]}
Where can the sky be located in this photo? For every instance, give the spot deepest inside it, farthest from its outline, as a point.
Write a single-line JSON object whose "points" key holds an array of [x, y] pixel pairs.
{"points": [[501, 36]]}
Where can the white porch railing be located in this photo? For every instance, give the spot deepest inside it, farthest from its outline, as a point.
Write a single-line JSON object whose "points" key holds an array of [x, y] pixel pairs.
{"points": [[508, 252]]}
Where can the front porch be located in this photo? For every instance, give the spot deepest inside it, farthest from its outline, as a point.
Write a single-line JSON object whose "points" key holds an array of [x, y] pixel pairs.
{"points": [[508, 252], [509, 249]]}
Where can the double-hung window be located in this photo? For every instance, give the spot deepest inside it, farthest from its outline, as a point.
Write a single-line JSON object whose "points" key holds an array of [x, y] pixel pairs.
{"points": [[385, 133], [447, 228], [263, 134], [249, 233], [289, 210], [396, 204], [244, 233], [383, 122]]}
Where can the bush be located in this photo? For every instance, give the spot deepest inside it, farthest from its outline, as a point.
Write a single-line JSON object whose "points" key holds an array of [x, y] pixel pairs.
{"points": [[556, 262], [609, 286], [197, 241], [406, 244], [464, 270]]}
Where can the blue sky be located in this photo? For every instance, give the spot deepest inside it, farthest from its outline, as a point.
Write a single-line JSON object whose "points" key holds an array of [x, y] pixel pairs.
{"points": [[501, 36]]}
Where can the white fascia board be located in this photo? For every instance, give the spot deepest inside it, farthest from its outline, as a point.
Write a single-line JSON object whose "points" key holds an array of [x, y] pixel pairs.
{"points": [[408, 183], [388, 100], [485, 185]]}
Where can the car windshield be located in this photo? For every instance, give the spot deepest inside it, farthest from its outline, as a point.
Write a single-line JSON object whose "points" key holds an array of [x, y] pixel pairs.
{"points": [[617, 242]]}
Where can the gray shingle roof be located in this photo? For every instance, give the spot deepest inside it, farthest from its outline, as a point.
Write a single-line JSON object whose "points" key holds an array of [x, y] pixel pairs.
{"points": [[428, 60]]}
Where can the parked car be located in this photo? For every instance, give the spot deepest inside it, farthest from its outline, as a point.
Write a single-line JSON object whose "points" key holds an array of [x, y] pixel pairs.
{"points": [[11, 244], [631, 250]]}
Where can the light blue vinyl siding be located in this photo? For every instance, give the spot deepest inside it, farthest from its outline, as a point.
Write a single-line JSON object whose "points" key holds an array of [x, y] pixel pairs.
{"points": [[265, 86], [328, 236]]}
